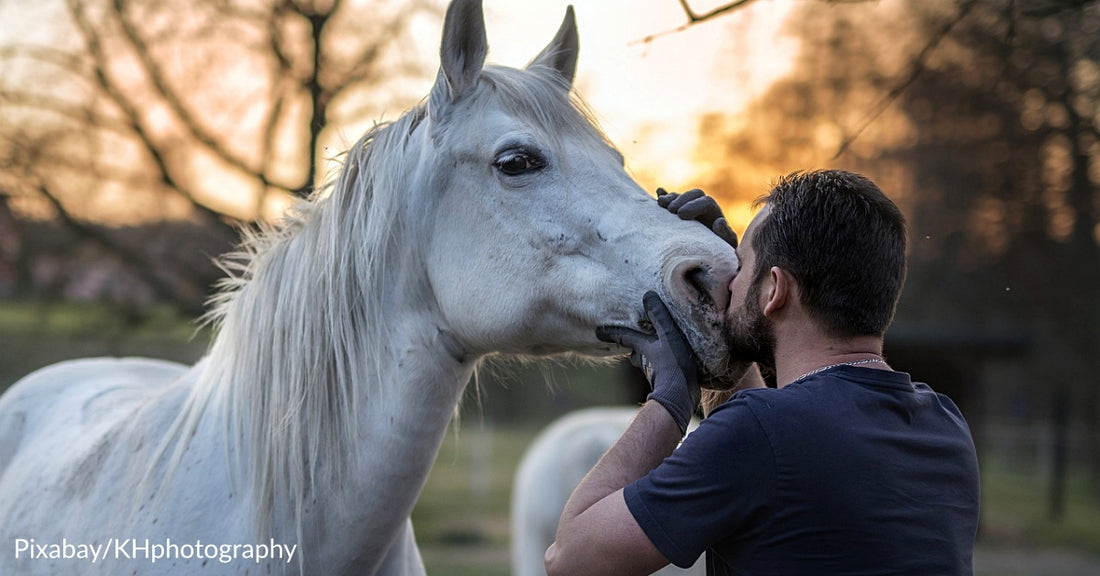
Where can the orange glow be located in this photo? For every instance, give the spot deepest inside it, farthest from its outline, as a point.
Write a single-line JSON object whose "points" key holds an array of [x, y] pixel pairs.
{"points": [[651, 97]]}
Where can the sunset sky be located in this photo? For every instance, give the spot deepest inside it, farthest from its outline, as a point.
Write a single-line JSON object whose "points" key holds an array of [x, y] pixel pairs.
{"points": [[648, 95]]}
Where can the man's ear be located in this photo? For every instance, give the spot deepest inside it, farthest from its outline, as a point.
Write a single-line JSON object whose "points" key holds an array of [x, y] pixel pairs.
{"points": [[778, 289]]}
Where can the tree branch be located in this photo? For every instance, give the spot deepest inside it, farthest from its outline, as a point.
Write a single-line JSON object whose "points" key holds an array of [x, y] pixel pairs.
{"points": [[62, 108], [188, 301], [267, 152], [274, 39], [129, 110], [1054, 7], [696, 19], [235, 9], [168, 95], [47, 55], [319, 98], [918, 67]]}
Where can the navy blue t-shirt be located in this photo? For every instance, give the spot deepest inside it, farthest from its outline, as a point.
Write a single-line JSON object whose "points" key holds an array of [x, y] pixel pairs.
{"points": [[849, 471]]}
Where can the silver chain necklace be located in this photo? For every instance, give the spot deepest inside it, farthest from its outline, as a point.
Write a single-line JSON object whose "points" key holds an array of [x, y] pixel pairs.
{"points": [[838, 364]]}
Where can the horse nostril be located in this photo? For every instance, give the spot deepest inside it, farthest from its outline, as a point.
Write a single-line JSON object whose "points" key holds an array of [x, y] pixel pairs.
{"points": [[701, 284], [699, 278]]}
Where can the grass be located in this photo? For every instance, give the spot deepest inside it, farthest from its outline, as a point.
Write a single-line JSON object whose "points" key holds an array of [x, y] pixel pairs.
{"points": [[35, 334], [1016, 510], [461, 519]]}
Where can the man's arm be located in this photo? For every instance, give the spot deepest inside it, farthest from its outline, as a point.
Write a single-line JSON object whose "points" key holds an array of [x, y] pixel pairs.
{"points": [[597, 534]]}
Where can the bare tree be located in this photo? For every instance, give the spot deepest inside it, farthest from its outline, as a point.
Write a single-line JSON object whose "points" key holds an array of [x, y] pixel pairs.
{"points": [[212, 110]]}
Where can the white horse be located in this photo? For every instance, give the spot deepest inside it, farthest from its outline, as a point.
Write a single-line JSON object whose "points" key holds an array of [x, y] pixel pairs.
{"points": [[493, 218], [551, 468]]}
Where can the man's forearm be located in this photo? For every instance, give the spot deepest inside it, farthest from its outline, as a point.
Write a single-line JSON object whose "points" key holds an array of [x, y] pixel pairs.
{"points": [[649, 439]]}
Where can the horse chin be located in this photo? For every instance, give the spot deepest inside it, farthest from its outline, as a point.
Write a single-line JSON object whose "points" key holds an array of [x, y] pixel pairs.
{"points": [[702, 324], [717, 370], [577, 346]]}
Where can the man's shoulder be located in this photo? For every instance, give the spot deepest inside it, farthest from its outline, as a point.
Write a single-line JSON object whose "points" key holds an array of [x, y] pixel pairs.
{"points": [[803, 406], [742, 402], [754, 399], [759, 409]]}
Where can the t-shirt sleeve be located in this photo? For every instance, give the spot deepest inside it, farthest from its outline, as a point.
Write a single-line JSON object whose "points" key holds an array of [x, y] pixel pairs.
{"points": [[718, 486]]}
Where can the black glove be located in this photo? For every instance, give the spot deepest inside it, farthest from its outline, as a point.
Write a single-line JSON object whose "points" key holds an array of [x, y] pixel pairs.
{"points": [[696, 205], [665, 357]]}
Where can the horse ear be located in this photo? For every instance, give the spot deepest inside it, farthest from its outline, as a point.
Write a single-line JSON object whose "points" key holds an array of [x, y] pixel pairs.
{"points": [[462, 52], [561, 53]]}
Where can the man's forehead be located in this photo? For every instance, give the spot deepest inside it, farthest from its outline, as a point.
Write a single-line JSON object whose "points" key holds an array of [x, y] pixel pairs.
{"points": [[750, 230]]}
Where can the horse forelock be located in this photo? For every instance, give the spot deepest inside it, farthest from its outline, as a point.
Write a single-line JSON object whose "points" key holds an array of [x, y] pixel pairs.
{"points": [[539, 96]]}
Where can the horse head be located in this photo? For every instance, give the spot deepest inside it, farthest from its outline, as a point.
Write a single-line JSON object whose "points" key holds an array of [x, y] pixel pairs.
{"points": [[539, 234]]}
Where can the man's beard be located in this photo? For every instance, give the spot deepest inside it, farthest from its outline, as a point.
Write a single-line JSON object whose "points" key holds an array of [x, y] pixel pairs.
{"points": [[750, 335]]}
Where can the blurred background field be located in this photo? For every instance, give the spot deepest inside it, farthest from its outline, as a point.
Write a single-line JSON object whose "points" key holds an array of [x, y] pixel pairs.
{"points": [[462, 518], [137, 137]]}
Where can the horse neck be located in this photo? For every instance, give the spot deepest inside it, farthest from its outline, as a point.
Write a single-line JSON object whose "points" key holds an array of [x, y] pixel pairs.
{"points": [[334, 373]]}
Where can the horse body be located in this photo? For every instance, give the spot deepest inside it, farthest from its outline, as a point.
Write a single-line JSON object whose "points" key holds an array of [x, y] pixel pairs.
{"points": [[116, 486], [494, 218], [551, 468], [79, 430]]}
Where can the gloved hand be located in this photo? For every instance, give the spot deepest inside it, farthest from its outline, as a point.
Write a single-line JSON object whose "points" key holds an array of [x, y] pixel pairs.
{"points": [[696, 205], [665, 357]]}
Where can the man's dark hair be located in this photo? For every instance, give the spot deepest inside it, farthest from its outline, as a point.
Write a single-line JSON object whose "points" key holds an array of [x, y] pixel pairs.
{"points": [[843, 241]]}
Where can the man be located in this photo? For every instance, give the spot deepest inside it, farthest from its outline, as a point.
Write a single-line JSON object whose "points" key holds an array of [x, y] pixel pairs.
{"points": [[847, 467]]}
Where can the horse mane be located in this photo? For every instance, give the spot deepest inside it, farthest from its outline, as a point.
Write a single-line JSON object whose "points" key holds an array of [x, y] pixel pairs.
{"points": [[297, 322], [299, 319]]}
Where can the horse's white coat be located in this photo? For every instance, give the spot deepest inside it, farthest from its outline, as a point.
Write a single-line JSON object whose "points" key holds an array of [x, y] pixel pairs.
{"points": [[348, 335], [551, 469]]}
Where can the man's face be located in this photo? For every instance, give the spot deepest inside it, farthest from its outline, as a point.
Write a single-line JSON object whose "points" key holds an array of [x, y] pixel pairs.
{"points": [[749, 334]]}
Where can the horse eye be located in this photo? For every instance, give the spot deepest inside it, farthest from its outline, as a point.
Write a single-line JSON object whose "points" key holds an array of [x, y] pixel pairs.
{"points": [[516, 163]]}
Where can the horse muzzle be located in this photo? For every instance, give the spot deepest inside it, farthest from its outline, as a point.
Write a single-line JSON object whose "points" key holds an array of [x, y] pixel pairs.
{"points": [[697, 289]]}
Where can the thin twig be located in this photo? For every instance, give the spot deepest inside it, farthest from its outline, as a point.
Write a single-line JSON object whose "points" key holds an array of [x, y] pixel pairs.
{"points": [[169, 96], [63, 108], [918, 67], [695, 19]]}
